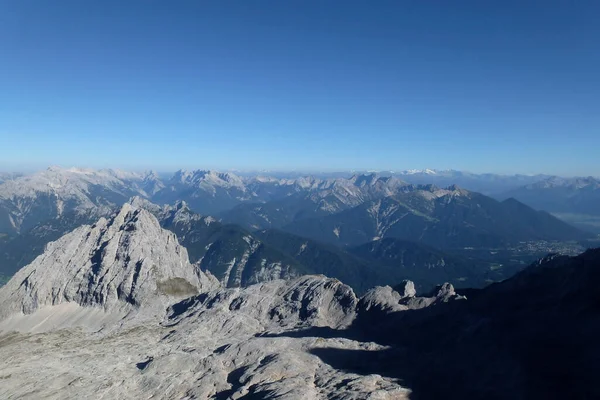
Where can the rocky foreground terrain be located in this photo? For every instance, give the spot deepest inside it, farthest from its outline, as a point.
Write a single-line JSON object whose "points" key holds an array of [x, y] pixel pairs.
{"points": [[116, 310]]}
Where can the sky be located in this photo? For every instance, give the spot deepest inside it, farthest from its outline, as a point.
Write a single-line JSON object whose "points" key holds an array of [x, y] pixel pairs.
{"points": [[483, 86]]}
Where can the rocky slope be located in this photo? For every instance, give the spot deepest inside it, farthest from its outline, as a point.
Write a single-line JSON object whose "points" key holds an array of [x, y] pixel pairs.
{"points": [[309, 198], [442, 218], [532, 336], [220, 345], [232, 254], [16, 251], [32, 199], [382, 262], [575, 200], [115, 265], [121, 280]]}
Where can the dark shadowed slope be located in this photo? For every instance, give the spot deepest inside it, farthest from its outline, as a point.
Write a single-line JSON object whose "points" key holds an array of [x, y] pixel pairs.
{"points": [[384, 262], [575, 200], [534, 336]]}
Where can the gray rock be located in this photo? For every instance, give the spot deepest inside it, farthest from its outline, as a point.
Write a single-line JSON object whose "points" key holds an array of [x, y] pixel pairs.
{"points": [[406, 289], [442, 294], [117, 264], [155, 326], [123, 281], [381, 299], [303, 302]]}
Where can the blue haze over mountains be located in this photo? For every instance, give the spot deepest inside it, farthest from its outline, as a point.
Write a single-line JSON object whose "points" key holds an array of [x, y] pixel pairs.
{"points": [[302, 261], [364, 228]]}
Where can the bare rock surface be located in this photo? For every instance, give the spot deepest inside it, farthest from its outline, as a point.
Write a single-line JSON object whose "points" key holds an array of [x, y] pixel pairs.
{"points": [[115, 310], [117, 265]]}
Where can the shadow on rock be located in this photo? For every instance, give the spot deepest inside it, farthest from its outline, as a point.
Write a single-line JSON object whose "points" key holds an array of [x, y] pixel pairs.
{"points": [[316, 332], [534, 336]]}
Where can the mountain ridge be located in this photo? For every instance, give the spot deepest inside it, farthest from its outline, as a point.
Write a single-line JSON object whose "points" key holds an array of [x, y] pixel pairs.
{"points": [[440, 218], [269, 339]]}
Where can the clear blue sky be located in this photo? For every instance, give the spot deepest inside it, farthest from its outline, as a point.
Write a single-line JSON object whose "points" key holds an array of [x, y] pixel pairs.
{"points": [[486, 86]]}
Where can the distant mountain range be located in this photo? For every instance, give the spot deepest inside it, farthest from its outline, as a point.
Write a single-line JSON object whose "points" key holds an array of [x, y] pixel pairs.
{"points": [[119, 301], [28, 200], [238, 257], [255, 228], [576, 200], [31, 199], [486, 183], [483, 183], [6, 176], [443, 218]]}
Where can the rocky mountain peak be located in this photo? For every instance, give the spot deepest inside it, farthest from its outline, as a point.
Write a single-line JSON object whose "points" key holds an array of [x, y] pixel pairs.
{"points": [[181, 206], [151, 175], [54, 168], [121, 263], [406, 289], [364, 179], [382, 300], [311, 300], [139, 202], [179, 175]]}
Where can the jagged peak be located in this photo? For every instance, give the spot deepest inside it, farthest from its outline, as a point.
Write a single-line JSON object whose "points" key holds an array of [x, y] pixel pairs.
{"points": [[182, 205], [208, 177], [140, 202], [382, 300], [151, 175], [364, 179], [117, 264]]}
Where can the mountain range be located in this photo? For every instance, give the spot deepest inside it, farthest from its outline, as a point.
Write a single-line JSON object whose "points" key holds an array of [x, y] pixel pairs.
{"points": [[238, 257], [443, 218], [31, 199], [116, 309], [253, 200], [265, 221], [489, 184], [575, 200]]}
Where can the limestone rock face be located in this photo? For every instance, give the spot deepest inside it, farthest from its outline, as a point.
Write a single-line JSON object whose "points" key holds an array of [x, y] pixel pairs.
{"points": [[407, 289], [216, 343], [382, 300], [168, 331], [308, 301], [156, 326], [124, 262], [442, 294]]}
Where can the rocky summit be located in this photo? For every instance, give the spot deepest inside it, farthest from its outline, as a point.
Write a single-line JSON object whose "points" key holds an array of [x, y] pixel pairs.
{"points": [[116, 310], [115, 266]]}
